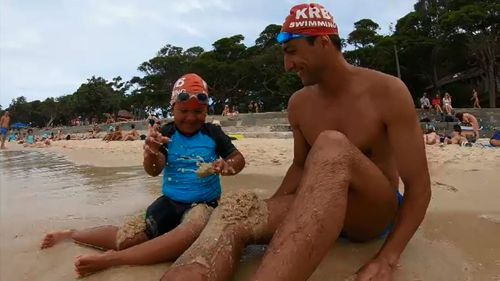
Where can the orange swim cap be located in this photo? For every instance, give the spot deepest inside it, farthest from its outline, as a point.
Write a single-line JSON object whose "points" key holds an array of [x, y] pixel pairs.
{"points": [[191, 84]]}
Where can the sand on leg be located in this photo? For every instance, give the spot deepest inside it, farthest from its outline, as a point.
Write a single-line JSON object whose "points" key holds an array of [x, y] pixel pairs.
{"points": [[215, 254], [166, 247]]}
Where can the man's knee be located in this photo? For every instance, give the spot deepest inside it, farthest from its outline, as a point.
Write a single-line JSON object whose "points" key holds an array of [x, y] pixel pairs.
{"points": [[331, 139]]}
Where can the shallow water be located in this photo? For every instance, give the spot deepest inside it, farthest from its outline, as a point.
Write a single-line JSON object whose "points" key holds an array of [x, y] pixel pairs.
{"points": [[42, 192]]}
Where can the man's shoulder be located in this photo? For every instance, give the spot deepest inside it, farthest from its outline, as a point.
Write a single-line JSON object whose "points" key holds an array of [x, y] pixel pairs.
{"points": [[299, 96], [383, 86]]}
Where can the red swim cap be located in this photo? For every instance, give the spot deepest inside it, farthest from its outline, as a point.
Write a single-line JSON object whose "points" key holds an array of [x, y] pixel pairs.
{"points": [[310, 19]]}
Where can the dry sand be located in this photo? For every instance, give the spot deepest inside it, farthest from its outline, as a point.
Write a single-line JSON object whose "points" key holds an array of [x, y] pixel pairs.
{"points": [[459, 239]]}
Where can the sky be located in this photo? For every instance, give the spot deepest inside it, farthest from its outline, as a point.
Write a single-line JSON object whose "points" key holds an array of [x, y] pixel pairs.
{"points": [[49, 48]]}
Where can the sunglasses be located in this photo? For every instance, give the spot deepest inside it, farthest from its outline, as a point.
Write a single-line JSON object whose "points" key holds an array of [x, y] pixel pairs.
{"points": [[201, 97], [284, 37]]}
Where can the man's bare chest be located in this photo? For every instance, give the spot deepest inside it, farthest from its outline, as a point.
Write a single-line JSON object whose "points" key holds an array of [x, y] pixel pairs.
{"points": [[363, 128]]}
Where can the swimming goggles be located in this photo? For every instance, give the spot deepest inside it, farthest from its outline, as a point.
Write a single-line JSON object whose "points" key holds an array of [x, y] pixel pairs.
{"points": [[201, 97], [284, 37]]}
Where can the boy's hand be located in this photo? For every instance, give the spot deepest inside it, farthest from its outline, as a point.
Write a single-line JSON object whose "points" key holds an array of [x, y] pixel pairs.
{"points": [[154, 142], [223, 167]]}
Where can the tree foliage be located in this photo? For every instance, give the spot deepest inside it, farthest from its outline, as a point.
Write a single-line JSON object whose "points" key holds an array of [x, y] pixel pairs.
{"points": [[438, 39]]}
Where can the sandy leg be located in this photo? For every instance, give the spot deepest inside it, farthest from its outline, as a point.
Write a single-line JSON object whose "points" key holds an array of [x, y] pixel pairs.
{"points": [[55, 237], [87, 264]]}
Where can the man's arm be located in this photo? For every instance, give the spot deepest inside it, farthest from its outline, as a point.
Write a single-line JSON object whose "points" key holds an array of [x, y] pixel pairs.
{"points": [[405, 138], [301, 148]]}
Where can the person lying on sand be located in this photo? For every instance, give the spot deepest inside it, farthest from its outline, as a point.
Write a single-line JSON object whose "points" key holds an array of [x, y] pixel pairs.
{"points": [[132, 135], [457, 137], [114, 135], [431, 137], [343, 181], [171, 223], [495, 139]]}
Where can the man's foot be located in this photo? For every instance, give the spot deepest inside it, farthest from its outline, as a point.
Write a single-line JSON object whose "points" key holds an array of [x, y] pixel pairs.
{"points": [[88, 264], [55, 237]]}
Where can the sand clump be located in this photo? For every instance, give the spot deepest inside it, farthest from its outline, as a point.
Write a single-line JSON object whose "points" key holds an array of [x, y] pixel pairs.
{"points": [[199, 213], [132, 226], [245, 208], [205, 170], [241, 209]]}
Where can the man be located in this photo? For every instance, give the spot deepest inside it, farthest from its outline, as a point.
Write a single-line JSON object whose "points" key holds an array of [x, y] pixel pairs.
{"points": [[469, 119], [355, 131], [424, 102], [4, 127]]}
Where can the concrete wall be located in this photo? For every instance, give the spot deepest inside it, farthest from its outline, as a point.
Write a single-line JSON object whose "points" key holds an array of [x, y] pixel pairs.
{"points": [[268, 122]]}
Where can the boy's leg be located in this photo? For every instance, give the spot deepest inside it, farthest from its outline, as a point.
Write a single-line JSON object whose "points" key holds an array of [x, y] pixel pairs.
{"points": [[101, 237], [166, 247]]}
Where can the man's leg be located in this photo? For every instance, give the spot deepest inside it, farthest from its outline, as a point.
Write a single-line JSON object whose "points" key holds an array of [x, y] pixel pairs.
{"points": [[341, 190], [335, 170]]}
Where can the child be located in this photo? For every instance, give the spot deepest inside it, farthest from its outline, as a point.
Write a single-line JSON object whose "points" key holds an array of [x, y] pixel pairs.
{"points": [[176, 149]]}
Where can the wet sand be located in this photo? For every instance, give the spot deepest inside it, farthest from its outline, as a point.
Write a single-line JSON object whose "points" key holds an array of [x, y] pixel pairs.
{"points": [[50, 189]]}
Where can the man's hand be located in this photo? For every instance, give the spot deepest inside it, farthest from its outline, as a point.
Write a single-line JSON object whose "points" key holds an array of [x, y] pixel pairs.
{"points": [[378, 269], [223, 167]]}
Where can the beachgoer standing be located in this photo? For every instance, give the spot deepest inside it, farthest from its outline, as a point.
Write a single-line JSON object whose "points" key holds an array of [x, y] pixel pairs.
{"points": [[4, 125]]}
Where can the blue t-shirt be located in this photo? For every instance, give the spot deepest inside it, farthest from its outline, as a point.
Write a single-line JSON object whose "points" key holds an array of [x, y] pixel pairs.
{"points": [[184, 154]]}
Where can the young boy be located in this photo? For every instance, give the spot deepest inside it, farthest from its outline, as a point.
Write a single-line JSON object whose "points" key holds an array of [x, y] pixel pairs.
{"points": [[177, 149]]}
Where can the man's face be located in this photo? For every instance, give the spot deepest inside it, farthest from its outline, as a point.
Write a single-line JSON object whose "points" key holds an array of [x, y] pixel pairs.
{"points": [[189, 116], [304, 59]]}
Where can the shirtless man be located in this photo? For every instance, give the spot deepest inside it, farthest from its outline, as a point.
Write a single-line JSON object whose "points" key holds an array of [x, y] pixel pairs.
{"points": [[355, 132], [468, 118], [4, 124]]}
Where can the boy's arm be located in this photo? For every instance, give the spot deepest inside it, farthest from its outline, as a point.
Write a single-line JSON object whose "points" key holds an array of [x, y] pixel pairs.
{"points": [[231, 165]]}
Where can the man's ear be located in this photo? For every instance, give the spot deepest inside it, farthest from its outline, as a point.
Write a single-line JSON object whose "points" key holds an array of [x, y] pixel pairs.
{"points": [[324, 40]]}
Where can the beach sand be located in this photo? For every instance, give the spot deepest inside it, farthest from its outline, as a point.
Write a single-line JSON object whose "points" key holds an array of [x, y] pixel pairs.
{"points": [[459, 239]]}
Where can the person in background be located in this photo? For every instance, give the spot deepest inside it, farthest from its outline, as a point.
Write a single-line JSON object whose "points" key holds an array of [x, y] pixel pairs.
{"points": [[4, 127], [495, 139], [469, 120], [425, 104], [447, 106], [436, 103], [475, 99]]}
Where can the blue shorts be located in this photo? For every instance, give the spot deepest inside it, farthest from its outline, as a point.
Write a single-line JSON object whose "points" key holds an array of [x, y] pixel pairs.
{"points": [[4, 132], [165, 214], [496, 136], [389, 227]]}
